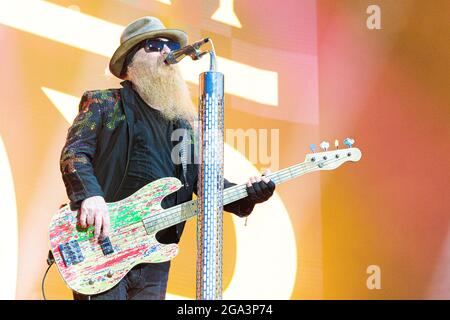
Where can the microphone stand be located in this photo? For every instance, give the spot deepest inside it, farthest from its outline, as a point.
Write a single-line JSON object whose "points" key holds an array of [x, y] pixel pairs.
{"points": [[210, 182]]}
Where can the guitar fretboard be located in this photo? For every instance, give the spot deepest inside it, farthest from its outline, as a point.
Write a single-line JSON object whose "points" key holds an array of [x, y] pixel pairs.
{"points": [[187, 210]]}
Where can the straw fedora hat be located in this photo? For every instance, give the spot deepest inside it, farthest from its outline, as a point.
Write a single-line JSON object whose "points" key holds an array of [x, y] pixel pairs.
{"points": [[138, 30]]}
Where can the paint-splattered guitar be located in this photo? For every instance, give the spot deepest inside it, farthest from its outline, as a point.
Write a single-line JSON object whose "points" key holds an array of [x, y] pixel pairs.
{"points": [[90, 267]]}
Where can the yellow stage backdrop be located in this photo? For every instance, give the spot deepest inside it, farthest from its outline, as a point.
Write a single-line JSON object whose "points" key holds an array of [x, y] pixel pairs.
{"points": [[297, 72]]}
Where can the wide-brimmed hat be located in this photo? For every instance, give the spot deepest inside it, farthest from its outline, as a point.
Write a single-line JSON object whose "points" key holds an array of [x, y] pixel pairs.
{"points": [[138, 30]]}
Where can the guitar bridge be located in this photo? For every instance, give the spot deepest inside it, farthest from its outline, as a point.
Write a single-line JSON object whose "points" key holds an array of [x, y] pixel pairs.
{"points": [[71, 253]]}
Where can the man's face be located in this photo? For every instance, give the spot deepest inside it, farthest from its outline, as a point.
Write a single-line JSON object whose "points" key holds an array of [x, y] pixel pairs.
{"points": [[153, 56], [161, 86]]}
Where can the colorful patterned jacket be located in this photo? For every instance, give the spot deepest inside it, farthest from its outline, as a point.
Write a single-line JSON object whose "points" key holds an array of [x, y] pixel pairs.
{"points": [[96, 154]]}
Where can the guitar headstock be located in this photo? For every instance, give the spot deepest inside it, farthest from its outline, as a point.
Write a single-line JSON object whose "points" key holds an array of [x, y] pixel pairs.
{"points": [[329, 160]]}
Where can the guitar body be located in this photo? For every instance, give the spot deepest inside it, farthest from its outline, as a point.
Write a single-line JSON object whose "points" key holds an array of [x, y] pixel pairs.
{"points": [[90, 268]]}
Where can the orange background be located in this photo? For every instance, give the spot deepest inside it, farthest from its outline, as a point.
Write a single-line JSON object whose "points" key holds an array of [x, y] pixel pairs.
{"points": [[388, 89]]}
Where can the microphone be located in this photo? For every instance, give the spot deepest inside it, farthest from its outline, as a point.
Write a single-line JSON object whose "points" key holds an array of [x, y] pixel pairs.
{"points": [[191, 50]]}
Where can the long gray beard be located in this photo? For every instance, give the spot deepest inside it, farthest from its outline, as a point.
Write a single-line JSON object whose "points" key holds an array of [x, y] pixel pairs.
{"points": [[163, 88]]}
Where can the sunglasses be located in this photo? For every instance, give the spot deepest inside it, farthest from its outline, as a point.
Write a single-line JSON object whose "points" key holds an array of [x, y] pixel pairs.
{"points": [[156, 45], [149, 45]]}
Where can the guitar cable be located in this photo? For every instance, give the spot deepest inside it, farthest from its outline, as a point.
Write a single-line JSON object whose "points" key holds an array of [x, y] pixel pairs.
{"points": [[50, 262]]}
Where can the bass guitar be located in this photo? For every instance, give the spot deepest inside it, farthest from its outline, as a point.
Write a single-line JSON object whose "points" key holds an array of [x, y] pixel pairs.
{"points": [[90, 267]]}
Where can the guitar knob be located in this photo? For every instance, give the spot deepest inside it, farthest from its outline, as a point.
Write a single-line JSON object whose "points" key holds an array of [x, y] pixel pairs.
{"points": [[109, 274], [91, 282], [324, 145], [349, 142], [312, 146]]}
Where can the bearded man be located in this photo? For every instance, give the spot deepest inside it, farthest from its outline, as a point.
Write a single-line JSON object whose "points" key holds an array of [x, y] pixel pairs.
{"points": [[121, 140]]}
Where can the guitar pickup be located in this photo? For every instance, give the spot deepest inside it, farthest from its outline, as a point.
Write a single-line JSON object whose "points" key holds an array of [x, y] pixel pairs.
{"points": [[106, 246], [71, 253]]}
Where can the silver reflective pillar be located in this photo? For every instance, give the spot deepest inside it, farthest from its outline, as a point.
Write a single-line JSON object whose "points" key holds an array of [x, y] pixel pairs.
{"points": [[210, 186]]}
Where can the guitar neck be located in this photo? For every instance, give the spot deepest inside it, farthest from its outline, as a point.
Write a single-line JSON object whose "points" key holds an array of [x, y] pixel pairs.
{"points": [[240, 191], [187, 210]]}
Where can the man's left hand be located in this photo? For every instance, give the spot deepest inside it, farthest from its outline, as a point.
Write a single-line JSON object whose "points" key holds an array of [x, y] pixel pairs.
{"points": [[260, 189]]}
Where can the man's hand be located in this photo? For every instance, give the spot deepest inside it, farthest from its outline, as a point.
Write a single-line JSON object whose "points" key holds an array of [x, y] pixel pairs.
{"points": [[94, 212], [260, 189]]}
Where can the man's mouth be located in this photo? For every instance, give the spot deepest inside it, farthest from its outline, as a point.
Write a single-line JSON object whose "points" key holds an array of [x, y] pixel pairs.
{"points": [[162, 60]]}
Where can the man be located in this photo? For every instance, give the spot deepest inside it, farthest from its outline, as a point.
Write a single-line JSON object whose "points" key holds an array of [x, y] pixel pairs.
{"points": [[121, 140]]}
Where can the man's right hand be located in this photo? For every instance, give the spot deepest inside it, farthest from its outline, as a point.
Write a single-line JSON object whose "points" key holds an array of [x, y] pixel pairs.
{"points": [[94, 212]]}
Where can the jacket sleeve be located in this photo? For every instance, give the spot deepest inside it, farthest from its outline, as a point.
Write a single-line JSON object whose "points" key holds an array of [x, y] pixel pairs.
{"points": [[76, 156]]}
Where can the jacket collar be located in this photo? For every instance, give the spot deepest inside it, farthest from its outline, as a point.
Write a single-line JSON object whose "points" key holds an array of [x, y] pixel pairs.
{"points": [[127, 92]]}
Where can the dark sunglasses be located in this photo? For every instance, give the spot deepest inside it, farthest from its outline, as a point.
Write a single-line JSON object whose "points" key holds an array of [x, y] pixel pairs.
{"points": [[155, 45], [149, 45]]}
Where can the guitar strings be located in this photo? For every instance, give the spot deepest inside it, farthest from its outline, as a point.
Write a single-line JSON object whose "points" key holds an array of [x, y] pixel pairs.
{"points": [[235, 192], [231, 192], [289, 172]]}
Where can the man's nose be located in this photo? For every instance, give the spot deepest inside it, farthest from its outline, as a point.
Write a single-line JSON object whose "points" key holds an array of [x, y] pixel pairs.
{"points": [[165, 49]]}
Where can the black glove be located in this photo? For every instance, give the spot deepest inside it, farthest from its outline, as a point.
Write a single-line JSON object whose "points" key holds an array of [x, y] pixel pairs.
{"points": [[260, 191]]}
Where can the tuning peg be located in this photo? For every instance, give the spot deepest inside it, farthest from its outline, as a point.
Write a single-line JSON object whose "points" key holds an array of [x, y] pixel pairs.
{"points": [[312, 146], [324, 145], [336, 144], [349, 142]]}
